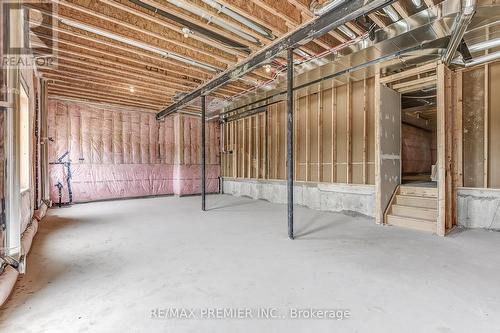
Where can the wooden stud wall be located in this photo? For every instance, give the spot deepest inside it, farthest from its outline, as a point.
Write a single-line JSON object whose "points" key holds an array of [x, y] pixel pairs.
{"points": [[334, 136]]}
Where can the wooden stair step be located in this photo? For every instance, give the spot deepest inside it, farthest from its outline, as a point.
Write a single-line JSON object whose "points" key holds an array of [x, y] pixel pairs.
{"points": [[416, 201], [419, 191], [407, 222], [415, 212]]}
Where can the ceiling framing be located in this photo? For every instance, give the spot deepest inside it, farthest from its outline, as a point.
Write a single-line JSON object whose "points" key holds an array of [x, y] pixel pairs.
{"points": [[112, 50]]}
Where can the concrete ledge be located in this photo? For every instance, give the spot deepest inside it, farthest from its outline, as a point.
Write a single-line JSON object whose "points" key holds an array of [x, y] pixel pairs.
{"points": [[479, 208], [320, 196]]}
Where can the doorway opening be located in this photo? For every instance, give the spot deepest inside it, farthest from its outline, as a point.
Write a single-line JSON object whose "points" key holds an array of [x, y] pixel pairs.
{"points": [[419, 137]]}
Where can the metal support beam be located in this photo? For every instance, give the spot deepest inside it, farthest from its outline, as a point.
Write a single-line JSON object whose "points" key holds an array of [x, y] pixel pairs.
{"points": [[345, 12], [289, 144], [203, 157]]}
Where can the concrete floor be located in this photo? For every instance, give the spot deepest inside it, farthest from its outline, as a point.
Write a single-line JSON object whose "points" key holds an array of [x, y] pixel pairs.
{"points": [[103, 267]]}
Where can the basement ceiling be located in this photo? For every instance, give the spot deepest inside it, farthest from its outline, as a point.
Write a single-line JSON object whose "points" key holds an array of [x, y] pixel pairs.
{"points": [[149, 53]]}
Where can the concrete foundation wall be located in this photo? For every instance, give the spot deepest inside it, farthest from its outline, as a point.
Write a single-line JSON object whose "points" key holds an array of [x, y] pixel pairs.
{"points": [[479, 208], [329, 197]]}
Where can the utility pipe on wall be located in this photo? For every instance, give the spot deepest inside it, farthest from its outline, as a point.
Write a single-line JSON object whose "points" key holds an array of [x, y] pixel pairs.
{"points": [[44, 142], [203, 160], [289, 159]]}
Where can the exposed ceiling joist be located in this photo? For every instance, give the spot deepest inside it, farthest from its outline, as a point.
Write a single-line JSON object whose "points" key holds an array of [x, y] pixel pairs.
{"points": [[346, 12]]}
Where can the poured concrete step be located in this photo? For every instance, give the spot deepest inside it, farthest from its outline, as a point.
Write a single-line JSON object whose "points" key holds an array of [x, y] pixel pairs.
{"points": [[416, 201], [407, 222], [418, 191], [415, 212]]}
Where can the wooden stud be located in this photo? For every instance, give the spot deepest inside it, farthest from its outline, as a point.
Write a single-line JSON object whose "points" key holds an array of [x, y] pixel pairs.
{"points": [[276, 140], [266, 143], [234, 149], [244, 149], [334, 134], [441, 137], [414, 85], [320, 134], [408, 73], [250, 146], [379, 218], [295, 136], [365, 134], [308, 136], [458, 132], [349, 132], [257, 146], [486, 122]]}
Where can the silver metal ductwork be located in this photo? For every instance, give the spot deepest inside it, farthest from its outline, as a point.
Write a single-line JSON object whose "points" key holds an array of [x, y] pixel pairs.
{"points": [[318, 9], [459, 28], [479, 60], [423, 37]]}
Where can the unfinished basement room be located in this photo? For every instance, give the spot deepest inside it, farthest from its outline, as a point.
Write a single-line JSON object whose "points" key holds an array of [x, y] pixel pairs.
{"points": [[250, 166]]}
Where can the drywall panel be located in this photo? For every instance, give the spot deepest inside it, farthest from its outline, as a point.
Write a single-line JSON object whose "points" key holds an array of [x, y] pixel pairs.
{"points": [[390, 144]]}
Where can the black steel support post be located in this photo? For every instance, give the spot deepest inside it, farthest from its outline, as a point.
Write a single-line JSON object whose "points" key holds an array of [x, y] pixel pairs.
{"points": [[289, 137], [203, 157]]}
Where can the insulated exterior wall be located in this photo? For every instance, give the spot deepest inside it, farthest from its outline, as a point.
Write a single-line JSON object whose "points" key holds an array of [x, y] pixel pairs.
{"points": [[494, 125], [101, 153], [473, 122], [334, 137], [2, 170], [480, 105]]}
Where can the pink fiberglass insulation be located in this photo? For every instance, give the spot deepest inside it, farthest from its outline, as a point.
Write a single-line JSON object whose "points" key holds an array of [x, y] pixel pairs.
{"points": [[2, 158], [112, 153]]}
